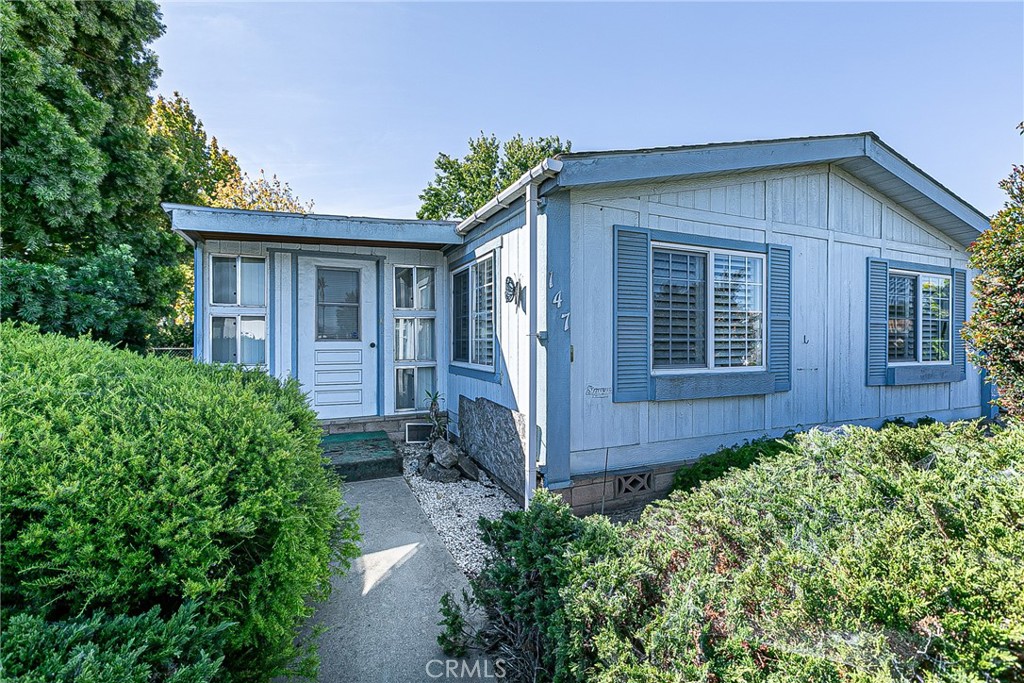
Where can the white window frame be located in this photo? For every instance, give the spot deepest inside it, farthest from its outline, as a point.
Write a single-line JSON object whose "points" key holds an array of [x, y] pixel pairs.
{"points": [[417, 306], [415, 313], [918, 310], [494, 313], [709, 281], [236, 310]]}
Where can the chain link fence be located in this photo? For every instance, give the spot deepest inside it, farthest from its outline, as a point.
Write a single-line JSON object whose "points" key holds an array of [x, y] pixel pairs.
{"points": [[175, 351]]}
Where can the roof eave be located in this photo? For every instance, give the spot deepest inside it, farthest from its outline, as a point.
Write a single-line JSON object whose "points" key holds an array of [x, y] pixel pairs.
{"points": [[189, 221]]}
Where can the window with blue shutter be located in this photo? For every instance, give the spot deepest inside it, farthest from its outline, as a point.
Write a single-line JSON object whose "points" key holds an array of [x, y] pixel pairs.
{"points": [[699, 317], [914, 316]]}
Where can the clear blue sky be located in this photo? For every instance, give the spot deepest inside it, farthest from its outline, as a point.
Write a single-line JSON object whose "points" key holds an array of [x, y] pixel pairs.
{"points": [[351, 103]]}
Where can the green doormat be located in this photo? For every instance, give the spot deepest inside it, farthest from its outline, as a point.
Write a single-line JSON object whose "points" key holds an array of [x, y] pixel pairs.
{"points": [[362, 455]]}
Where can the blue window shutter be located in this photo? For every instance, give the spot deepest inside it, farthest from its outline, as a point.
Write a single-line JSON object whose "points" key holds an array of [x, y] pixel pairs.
{"points": [[631, 373], [959, 318], [780, 315], [878, 321]]}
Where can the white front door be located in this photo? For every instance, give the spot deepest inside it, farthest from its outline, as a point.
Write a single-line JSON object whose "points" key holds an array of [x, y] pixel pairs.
{"points": [[337, 336]]}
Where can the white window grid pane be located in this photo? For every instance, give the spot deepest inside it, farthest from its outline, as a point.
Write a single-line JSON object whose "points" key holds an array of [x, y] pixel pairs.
{"points": [[679, 309], [224, 280], [224, 339], [253, 277], [902, 306], [460, 317], [412, 385], [936, 302], [483, 312], [405, 295], [425, 289], [405, 339], [252, 340], [738, 310]]}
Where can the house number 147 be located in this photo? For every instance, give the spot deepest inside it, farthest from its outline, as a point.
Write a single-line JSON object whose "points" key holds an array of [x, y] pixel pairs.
{"points": [[556, 301]]}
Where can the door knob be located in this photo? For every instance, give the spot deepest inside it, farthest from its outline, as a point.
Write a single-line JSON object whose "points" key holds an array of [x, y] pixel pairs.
{"points": [[373, 345]]}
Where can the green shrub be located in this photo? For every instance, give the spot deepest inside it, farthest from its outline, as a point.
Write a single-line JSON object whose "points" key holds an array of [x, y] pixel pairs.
{"points": [[713, 466], [995, 330], [106, 649], [858, 555], [136, 482], [535, 551]]}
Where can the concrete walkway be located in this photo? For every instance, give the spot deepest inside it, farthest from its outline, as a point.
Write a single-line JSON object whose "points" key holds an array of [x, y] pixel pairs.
{"points": [[382, 617]]}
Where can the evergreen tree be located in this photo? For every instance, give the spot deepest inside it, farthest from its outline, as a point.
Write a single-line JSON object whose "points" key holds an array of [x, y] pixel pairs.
{"points": [[86, 247]]}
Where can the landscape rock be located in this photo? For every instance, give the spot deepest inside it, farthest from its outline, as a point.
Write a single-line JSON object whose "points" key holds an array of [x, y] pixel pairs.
{"points": [[445, 454], [443, 475], [454, 509], [468, 468]]}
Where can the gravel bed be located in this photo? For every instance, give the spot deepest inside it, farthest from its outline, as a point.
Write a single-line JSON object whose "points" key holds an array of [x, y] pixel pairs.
{"points": [[454, 509]]}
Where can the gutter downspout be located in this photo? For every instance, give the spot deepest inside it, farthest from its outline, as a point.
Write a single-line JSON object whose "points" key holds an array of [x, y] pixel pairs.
{"points": [[548, 168], [532, 445], [527, 184]]}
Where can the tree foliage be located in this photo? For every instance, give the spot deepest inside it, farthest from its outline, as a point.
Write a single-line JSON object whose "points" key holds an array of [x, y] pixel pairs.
{"points": [[195, 164], [80, 180], [200, 171], [258, 194], [461, 186], [995, 331]]}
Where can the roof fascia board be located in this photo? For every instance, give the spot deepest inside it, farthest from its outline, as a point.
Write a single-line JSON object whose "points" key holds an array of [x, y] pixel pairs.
{"points": [[652, 165], [287, 225], [892, 162]]}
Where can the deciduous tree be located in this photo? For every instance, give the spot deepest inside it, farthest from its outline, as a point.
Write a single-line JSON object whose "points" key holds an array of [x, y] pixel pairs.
{"points": [[461, 186], [995, 331]]}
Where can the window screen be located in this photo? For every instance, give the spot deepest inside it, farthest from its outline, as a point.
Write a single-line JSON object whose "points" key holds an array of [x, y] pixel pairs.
{"points": [[902, 318], [337, 304], [483, 312], [460, 317], [225, 280], [935, 318], [680, 309], [738, 312]]}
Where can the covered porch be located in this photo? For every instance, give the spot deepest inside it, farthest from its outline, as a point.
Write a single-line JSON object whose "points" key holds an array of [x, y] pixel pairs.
{"points": [[353, 308]]}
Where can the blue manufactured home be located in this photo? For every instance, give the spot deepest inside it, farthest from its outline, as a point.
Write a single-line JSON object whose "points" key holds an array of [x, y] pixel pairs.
{"points": [[612, 315]]}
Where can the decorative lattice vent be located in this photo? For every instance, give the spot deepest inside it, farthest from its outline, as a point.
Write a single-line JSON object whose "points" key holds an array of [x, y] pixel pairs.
{"points": [[628, 484]]}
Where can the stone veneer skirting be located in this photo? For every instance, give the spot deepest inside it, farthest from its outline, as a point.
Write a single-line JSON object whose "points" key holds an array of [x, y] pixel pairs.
{"points": [[495, 437]]}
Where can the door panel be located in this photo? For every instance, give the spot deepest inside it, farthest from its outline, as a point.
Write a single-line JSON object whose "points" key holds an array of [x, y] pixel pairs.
{"points": [[337, 336]]}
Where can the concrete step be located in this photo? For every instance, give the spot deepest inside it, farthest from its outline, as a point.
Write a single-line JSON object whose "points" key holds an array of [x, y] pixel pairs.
{"points": [[363, 455]]}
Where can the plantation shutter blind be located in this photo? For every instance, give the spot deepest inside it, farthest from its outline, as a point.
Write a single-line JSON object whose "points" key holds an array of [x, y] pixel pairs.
{"points": [[631, 306], [878, 321], [959, 318], [780, 315]]}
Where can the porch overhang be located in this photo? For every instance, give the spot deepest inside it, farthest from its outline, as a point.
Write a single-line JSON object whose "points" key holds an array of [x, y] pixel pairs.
{"points": [[201, 223]]}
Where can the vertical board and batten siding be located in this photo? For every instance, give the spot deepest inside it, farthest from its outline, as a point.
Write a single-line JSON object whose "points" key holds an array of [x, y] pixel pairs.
{"points": [[512, 252], [280, 329], [832, 225]]}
